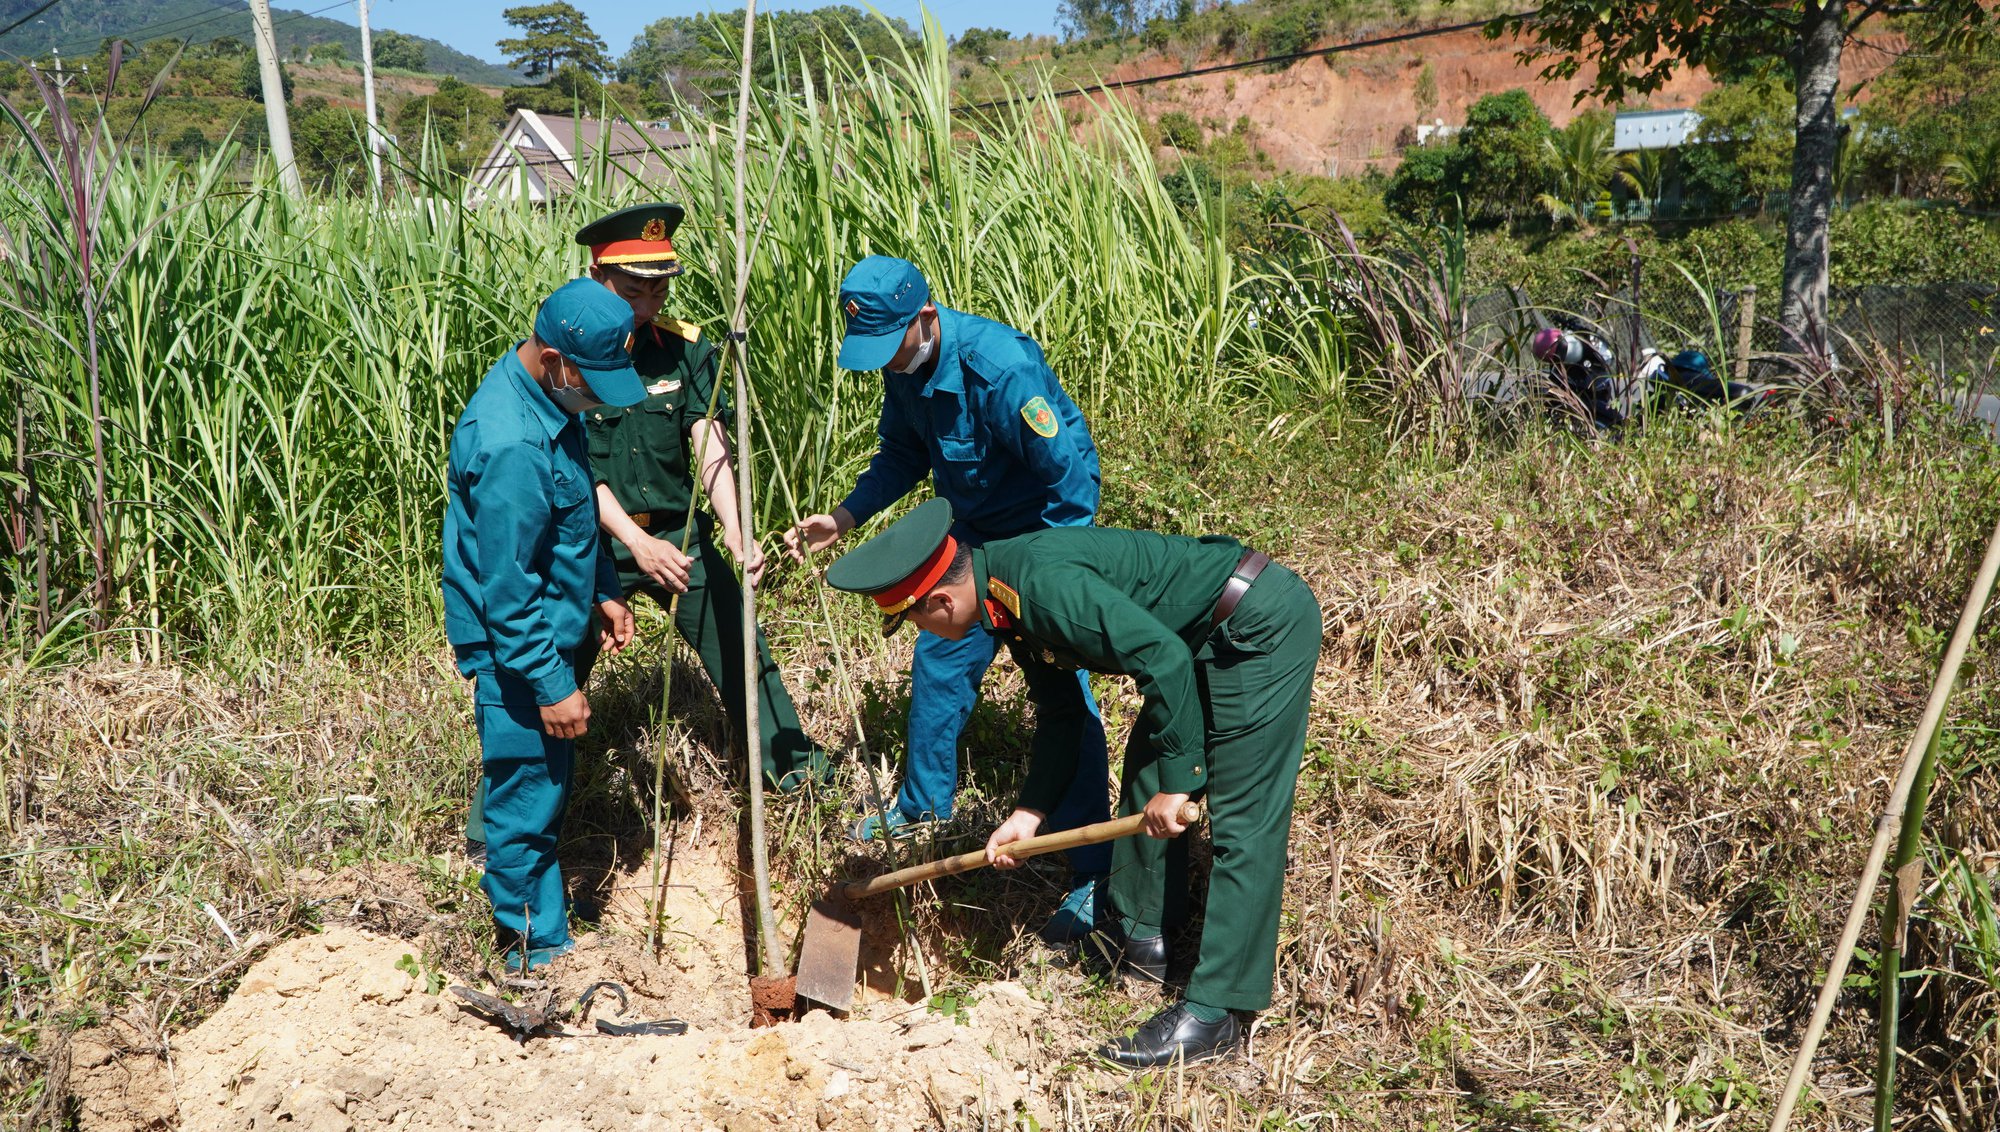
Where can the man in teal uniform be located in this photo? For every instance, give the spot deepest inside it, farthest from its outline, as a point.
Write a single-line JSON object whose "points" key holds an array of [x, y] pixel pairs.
{"points": [[1222, 644], [973, 404], [644, 458], [522, 573]]}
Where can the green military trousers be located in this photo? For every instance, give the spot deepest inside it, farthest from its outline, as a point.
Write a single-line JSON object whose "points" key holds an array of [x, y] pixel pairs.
{"points": [[1255, 673], [710, 619]]}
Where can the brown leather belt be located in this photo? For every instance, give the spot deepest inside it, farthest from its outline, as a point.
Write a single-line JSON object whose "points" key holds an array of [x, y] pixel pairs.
{"points": [[1247, 568]]}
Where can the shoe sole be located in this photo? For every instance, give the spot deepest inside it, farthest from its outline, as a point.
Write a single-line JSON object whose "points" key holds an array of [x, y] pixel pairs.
{"points": [[1183, 1059]]}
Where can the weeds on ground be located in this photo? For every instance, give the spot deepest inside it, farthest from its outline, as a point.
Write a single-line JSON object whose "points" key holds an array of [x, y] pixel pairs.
{"points": [[1597, 733]]}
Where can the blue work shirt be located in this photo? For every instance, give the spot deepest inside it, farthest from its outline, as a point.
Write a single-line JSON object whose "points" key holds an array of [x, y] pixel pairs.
{"points": [[993, 428], [522, 569]]}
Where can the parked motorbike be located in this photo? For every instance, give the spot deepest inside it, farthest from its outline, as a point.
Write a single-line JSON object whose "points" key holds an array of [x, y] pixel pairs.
{"points": [[1582, 375]]}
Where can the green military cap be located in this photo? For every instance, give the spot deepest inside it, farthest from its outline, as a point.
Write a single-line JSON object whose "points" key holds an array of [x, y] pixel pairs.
{"points": [[900, 565], [638, 240]]}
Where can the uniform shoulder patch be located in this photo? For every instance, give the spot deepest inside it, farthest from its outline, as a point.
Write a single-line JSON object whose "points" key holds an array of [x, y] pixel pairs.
{"points": [[1005, 595], [1040, 417], [687, 330]]}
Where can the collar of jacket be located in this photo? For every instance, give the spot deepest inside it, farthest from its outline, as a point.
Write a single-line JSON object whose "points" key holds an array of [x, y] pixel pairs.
{"points": [[540, 405]]}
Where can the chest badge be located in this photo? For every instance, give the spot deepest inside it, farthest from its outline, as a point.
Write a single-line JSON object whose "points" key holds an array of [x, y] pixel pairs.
{"points": [[667, 386], [1041, 418]]}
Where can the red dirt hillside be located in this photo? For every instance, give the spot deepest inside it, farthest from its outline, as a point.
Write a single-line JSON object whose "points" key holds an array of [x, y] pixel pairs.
{"points": [[1339, 114]]}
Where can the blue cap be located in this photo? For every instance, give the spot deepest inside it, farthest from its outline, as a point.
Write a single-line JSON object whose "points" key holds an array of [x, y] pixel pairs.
{"points": [[588, 323], [880, 296]]}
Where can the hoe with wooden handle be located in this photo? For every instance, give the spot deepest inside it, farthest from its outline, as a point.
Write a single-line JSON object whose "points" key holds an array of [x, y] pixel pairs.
{"points": [[832, 948]]}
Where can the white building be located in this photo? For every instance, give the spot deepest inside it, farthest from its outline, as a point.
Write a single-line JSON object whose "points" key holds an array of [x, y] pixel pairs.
{"points": [[1653, 129], [541, 156]]}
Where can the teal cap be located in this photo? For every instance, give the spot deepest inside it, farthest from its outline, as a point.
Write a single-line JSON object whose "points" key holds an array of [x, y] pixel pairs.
{"points": [[900, 565], [590, 325], [879, 296]]}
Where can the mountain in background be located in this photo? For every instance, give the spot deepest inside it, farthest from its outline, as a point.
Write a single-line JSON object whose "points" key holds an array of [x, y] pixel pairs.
{"points": [[77, 27]]}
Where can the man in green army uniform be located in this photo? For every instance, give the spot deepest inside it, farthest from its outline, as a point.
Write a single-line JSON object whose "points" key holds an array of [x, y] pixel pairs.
{"points": [[1222, 644], [644, 460]]}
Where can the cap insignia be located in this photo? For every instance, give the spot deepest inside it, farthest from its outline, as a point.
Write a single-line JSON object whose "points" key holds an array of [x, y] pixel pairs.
{"points": [[654, 231]]}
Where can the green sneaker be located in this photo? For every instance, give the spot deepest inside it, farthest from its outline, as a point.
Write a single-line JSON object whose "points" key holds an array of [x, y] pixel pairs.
{"points": [[1076, 916], [872, 827]]}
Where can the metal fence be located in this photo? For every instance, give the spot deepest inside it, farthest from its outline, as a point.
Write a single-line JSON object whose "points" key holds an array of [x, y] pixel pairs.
{"points": [[1950, 329]]}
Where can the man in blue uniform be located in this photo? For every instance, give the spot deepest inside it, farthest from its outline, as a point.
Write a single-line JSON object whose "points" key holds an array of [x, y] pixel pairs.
{"points": [[973, 404], [522, 571]]}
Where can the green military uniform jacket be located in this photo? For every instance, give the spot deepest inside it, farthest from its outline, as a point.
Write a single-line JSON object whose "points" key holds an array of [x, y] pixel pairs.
{"points": [[1131, 603], [642, 453]]}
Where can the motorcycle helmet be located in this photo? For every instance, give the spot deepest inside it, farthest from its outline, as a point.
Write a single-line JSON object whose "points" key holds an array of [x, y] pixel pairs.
{"points": [[1552, 345]]}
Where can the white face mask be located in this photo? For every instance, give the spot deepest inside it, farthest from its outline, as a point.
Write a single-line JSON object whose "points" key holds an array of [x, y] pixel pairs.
{"points": [[924, 351], [573, 399]]}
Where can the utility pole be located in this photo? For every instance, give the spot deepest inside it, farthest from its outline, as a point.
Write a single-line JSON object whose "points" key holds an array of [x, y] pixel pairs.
{"points": [[275, 115], [368, 97]]}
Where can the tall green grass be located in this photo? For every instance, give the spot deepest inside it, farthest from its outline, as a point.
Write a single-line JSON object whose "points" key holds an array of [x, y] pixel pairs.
{"points": [[278, 378]]}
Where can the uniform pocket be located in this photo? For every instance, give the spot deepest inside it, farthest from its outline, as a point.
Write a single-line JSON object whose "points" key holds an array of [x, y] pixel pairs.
{"points": [[964, 460]]}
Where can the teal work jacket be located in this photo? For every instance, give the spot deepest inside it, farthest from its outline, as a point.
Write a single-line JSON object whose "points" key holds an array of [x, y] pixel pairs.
{"points": [[522, 564]]}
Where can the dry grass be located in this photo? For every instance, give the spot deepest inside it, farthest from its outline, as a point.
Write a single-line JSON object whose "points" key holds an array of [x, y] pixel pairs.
{"points": [[1599, 737]]}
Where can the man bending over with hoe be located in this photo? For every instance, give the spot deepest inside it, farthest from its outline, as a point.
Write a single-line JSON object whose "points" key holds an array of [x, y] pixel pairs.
{"points": [[1222, 644], [972, 404], [522, 573]]}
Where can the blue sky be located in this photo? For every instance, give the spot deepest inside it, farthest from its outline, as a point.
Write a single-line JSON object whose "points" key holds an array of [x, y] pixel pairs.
{"points": [[473, 26]]}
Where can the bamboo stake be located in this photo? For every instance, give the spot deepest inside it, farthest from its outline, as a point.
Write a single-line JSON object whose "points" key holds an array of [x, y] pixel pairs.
{"points": [[1885, 826], [1905, 880], [760, 854]]}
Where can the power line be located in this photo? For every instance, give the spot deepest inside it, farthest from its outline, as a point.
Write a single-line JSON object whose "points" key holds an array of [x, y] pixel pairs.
{"points": [[155, 31], [1245, 64], [166, 29], [29, 16]]}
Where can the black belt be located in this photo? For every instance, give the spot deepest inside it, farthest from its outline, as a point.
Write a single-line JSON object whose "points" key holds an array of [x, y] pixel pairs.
{"points": [[1247, 568]]}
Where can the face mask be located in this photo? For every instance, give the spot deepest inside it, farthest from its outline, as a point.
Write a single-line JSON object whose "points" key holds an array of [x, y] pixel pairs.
{"points": [[573, 399], [924, 351]]}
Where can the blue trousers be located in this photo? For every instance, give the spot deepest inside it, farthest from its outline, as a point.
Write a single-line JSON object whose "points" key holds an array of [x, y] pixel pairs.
{"points": [[944, 685], [527, 788]]}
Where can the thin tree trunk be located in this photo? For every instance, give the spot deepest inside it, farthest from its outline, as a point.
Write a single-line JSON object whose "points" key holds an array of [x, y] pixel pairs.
{"points": [[1816, 78]]}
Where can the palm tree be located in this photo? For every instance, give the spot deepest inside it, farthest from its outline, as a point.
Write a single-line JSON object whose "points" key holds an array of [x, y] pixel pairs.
{"points": [[1644, 171], [1583, 162], [1975, 171]]}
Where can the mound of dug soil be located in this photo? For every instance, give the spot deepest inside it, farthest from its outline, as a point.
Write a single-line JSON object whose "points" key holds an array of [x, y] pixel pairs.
{"points": [[329, 1034]]}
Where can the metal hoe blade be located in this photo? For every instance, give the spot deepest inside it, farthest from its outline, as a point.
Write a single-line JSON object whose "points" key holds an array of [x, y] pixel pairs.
{"points": [[831, 952]]}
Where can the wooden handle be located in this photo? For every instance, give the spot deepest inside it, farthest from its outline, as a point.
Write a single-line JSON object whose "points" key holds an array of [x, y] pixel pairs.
{"points": [[1030, 847]]}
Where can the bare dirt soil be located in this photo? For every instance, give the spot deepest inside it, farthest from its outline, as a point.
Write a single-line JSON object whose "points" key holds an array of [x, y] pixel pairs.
{"points": [[346, 1030], [1342, 114]]}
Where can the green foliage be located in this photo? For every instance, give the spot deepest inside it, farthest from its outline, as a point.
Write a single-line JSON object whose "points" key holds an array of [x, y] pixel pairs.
{"points": [[695, 57], [553, 36], [977, 43], [1429, 185], [297, 504], [1973, 170], [1584, 166], [570, 90], [1743, 147], [1179, 129], [331, 52], [1896, 242], [397, 51], [462, 120], [1634, 46], [330, 145], [1495, 167], [250, 80]]}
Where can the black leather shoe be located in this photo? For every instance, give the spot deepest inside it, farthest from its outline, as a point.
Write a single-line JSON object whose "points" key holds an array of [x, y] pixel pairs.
{"points": [[1108, 949], [1174, 1035]]}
